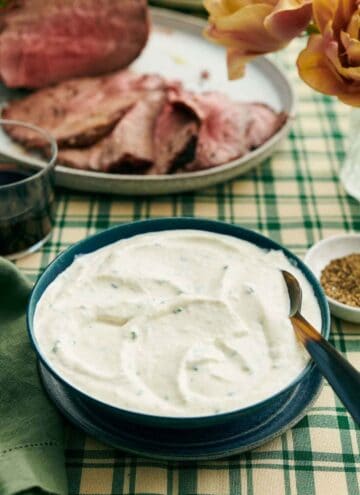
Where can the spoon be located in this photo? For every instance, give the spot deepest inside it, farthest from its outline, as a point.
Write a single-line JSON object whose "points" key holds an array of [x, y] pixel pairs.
{"points": [[341, 375]]}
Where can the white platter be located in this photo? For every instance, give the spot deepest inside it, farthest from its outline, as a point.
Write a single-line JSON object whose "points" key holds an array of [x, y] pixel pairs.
{"points": [[176, 49]]}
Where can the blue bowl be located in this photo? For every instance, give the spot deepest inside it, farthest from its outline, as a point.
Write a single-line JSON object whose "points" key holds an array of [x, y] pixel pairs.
{"points": [[163, 427]]}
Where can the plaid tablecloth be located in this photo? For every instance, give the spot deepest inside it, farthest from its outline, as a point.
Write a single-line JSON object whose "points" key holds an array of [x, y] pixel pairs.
{"points": [[296, 199]]}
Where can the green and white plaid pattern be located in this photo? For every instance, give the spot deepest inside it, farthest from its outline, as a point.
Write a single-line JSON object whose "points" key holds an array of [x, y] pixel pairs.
{"points": [[296, 199]]}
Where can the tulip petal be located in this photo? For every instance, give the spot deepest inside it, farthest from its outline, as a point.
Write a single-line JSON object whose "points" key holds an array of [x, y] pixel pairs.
{"points": [[244, 30], [343, 13], [331, 50], [224, 7], [253, 13], [289, 19], [352, 99], [236, 62], [217, 8], [353, 27], [249, 28], [352, 48], [338, 12], [324, 12], [316, 70]]}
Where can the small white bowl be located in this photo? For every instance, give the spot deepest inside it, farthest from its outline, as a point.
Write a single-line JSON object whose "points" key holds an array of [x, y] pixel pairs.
{"points": [[321, 253]]}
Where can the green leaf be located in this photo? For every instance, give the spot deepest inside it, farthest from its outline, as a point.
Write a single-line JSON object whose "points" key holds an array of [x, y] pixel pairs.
{"points": [[312, 29]]}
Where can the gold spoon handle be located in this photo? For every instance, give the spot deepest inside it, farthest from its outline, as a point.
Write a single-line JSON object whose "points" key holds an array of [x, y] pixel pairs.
{"points": [[341, 375]]}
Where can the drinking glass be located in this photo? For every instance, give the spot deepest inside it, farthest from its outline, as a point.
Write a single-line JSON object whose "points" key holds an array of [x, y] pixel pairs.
{"points": [[26, 189]]}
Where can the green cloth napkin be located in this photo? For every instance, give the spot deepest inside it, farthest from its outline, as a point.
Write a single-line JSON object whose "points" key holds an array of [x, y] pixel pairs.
{"points": [[31, 431]]}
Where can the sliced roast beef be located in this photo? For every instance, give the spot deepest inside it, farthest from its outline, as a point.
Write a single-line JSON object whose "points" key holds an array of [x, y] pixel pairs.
{"points": [[43, 42], [132, 140], [174, 138], [228, 129], [81, 158], [264, 124], [193, 102], [129, 147], [223, 129], [81, 111], [142, 123], [222, 135]]}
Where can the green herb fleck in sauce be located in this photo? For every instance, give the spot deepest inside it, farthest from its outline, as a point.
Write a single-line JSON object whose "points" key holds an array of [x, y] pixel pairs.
{"points": [[248, 289], [55, 347]]}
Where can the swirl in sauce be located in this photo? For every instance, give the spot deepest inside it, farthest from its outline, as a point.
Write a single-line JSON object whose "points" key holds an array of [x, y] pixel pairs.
{"points": [[174, 323]]}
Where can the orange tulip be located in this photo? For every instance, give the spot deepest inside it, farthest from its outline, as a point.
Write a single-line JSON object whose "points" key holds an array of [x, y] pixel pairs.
{"points": [[331, 61], [249, 28]]}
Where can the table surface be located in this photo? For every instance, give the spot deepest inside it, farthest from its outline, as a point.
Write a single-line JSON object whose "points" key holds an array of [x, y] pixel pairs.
{"points": [[296, 199]]}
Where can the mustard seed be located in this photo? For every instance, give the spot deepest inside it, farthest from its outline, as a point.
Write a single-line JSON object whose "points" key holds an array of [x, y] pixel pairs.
{"points": [[341, 279]]}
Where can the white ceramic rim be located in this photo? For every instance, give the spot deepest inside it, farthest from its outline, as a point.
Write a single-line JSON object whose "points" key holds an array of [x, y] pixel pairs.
{"points": [[307, 259]]}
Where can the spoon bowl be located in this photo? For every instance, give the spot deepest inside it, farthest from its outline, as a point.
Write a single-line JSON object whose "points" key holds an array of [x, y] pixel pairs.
{"points": [[295, 292], [341, 375]]}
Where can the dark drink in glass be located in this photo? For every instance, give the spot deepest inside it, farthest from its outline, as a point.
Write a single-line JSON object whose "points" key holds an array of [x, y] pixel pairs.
{"points": [[26, 199]]}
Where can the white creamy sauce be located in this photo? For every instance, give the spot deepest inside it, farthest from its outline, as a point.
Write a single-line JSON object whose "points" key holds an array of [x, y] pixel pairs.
{"points": [[175, 323]]}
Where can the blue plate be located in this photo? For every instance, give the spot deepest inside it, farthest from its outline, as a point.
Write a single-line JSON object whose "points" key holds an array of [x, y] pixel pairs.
{"points": [[172, 437], [192, 445]]}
